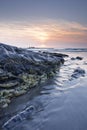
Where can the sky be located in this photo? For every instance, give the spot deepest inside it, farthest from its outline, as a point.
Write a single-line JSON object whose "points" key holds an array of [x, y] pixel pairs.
{"points": [[44, 23]]}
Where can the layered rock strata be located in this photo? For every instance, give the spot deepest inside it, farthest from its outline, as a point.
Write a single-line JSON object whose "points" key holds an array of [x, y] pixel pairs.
{"points": [[22, 69]]}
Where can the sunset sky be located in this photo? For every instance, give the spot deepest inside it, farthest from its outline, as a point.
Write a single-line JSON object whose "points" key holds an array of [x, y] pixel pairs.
{"points": [[44, 23]]}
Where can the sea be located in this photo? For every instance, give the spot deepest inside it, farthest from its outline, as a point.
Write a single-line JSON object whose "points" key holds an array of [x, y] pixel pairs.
{"points": [[58, 104]]}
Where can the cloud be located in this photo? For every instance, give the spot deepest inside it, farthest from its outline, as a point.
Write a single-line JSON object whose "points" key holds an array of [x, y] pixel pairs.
{"points": [[43, 32]]}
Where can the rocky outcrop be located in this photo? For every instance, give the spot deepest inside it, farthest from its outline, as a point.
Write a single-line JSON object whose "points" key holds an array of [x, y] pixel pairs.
{"points": [[78, 72], [77, 58], [22, 69], [17, 119]]}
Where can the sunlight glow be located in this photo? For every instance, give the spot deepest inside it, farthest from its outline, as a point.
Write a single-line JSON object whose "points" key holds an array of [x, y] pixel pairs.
{"points": [[42, 36]]}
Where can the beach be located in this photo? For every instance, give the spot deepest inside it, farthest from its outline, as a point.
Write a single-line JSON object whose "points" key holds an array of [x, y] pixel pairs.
{"points": [[57, 103]]}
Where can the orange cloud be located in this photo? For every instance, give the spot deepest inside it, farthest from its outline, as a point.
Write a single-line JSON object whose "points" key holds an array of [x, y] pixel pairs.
{"points": [[43, 32]]}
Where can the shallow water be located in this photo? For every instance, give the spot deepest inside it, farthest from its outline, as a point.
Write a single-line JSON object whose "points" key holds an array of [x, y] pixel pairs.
{"points": [[59, 104]]}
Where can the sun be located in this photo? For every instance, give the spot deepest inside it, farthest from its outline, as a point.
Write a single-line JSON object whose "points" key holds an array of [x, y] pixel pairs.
{"points": [[42, 36], [38, 34]]}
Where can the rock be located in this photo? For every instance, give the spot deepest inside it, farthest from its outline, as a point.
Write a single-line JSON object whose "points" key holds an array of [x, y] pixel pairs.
{"points": [[73, 58], [9, 84], [4, 102], [5, 105], [79, 58], [30, 80], [8, 80], [6, 92], [18, 93], [43, 78], [55, 54], [22, 69], [15, 120], [78, 72], [12, 122]]}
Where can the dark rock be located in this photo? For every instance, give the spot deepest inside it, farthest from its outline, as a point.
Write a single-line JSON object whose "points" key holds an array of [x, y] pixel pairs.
{"points": [[15, 120], [73, 58], [21, 69], [8, 80], [56, 54], [78, 72], [9, 84], [79, 58]]}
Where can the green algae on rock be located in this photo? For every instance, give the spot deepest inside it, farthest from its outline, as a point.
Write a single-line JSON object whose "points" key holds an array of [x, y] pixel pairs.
{"points": [[22, 69]]}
